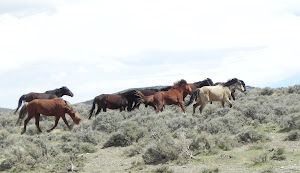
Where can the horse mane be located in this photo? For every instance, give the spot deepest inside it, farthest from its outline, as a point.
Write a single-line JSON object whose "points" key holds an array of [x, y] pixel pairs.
{"points": [[179, 84], [199, 84], [243, 83], [55, 91], [231, 82]]}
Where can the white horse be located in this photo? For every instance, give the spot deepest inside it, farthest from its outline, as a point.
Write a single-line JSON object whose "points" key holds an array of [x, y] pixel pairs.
{"points": [[220, 93]]}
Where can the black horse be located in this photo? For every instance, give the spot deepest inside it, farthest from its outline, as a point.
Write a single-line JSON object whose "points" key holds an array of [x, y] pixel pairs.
{"points": [[46, 95], [134, 100]]}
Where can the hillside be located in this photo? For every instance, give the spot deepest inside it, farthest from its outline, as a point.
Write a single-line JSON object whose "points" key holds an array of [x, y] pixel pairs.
{"points": [[260, 133]]}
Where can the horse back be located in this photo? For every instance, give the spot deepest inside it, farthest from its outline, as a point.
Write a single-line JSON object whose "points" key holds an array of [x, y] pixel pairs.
{"points": [[213, 93], [115, 101], [46, 107], [171, 96]]}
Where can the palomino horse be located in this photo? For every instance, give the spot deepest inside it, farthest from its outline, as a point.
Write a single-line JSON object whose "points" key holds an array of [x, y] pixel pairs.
{"points": [[220, 93], [53, 107], [174, 96], [132, 98], [111, 101], [47, 95]]}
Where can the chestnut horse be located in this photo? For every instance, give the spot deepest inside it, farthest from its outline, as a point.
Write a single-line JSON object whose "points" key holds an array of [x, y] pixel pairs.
{"points": [[132, 98], [111, 101], [193, 86], [174, 96], [53, 107], [47, 95], [219, 92]]}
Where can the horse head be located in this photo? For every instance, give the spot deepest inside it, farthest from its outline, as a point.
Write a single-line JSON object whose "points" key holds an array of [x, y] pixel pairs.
{"points": [[72, 112], [240, 85], [66, 91]]}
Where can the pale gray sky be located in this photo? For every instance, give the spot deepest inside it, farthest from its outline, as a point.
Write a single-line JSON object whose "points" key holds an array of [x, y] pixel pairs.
{"points": [[96, 46]]}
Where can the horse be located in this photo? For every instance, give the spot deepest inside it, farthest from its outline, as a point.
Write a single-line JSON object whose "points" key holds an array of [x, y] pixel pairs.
{"points": [[193, 86], [111, 101], [219, 92], [52, 107], [50, 94], [232, 89], [174, 96], [132, 98], [199, 84]]}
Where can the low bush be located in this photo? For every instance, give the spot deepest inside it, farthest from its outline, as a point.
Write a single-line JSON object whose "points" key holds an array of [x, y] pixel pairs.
{"points": [[249, 135], [293, 136], [161, 151], [278, 154], [163, 169], [129, 133]]}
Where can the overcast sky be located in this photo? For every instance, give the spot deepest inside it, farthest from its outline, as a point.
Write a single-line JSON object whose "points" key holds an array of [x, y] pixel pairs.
{"points": [[95, 46]]}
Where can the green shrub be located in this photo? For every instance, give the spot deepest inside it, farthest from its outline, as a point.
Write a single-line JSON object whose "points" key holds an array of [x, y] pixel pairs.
{"points": [[106, 122], [290, 122], [129, 133], [293, 136], [250, 135], [161, 151], [260, 159], [163, 169], [278, 154], [201, 144], [214, 170], [267, 91]]}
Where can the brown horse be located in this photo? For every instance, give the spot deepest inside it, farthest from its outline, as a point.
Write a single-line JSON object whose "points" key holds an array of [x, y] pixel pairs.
{"points": [[193, 86], [54, 107], [47, 95], [174, 96], [133, 99], [110, 101]]}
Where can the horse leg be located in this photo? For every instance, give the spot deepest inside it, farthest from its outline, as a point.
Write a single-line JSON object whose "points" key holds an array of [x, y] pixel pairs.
{"points": [[37, 122], [25, 123], [229, 102], [159, 108], [194, 107], [201, 107], [56, 122], [66, 122], [182, 107], [223, 103]]}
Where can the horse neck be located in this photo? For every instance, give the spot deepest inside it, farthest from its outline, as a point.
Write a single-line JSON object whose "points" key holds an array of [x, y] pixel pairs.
{"points": [[58, 92]]}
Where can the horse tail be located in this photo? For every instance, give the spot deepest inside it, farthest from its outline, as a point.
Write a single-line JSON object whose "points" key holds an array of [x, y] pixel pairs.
{"points": [[93, 107], [23, 97], [22, 113], [193, 97], [149, 99]]}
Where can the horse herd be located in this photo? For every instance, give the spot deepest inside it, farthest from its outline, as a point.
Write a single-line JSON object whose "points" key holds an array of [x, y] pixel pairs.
{"points": [[51, 104]]}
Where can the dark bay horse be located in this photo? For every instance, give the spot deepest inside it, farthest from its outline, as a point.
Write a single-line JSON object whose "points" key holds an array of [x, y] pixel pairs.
{"points": [[56, 93], [133, 99], [53, 107], [219, 92], [173, 96], [110, 101]]}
